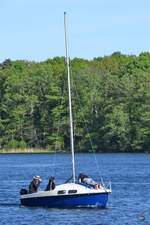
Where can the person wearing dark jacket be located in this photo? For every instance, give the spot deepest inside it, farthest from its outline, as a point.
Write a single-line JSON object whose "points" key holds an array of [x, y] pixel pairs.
{"points": [[35, 183], [51, 184]]}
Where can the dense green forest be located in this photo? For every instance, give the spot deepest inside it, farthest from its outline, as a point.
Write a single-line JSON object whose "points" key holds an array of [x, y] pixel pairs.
{"points": [[110, 98]]}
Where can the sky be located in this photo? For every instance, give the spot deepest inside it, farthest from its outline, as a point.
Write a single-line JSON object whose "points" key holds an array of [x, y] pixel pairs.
{"points": [[33, 30]]}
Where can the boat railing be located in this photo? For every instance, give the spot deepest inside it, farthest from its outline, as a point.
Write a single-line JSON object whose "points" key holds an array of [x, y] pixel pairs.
{"points": [[107, 186]]}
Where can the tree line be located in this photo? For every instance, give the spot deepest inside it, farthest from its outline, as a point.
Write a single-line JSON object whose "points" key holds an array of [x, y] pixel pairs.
{"points": [[110, 99]]}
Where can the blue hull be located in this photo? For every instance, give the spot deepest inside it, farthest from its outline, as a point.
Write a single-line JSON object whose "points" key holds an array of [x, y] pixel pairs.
{"points": [[68, 201]]}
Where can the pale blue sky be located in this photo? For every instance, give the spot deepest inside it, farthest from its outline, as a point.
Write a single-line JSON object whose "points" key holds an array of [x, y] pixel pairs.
{"points": [[34, 29]]}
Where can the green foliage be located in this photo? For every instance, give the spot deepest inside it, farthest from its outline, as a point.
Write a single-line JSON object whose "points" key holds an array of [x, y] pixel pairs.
{"points": [[110, 100], [22, 145], [12, 144], [6, 64]]}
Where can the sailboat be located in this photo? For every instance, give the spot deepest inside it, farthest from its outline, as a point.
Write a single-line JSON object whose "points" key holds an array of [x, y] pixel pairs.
{"points": [[74, 194]]}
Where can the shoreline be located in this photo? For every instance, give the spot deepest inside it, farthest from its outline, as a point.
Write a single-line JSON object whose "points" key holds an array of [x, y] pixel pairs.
{"points": [[29, 151], [44, 151]]}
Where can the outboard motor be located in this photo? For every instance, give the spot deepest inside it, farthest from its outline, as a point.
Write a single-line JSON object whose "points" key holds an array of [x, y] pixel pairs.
{"points": [[23, 192]]}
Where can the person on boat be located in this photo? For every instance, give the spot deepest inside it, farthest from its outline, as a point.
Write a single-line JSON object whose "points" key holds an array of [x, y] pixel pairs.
{"points": [[85, 179], [51, 184], [35, 183]]}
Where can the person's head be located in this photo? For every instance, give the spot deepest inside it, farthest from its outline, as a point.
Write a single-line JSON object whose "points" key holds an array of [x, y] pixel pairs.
{"points": [[82, 176], [52, 179], [37, 178]]}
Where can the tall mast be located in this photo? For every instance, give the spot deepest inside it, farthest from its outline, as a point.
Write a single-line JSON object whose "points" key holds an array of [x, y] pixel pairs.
{"points": [[69, 95]]}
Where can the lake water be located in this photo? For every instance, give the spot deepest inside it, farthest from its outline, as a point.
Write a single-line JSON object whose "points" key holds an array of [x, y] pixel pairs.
{"points": [[129, 202]]}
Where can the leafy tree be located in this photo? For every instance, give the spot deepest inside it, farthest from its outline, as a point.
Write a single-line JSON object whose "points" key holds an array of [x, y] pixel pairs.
{"points": [[110, 100]]}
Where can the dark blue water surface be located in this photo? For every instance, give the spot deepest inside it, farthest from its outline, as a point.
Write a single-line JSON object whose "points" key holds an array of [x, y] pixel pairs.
{"points": [[129, 202]]}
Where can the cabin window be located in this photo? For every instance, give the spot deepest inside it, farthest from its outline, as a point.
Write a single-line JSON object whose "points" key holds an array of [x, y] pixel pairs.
{"points": [[61, 192], [72, 191]]}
